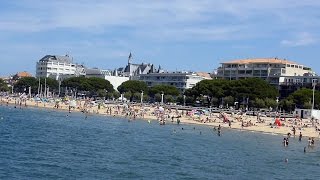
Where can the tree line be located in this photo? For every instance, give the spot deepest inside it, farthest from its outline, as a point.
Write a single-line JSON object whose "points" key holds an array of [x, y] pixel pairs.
{"points": [[251, 92]]}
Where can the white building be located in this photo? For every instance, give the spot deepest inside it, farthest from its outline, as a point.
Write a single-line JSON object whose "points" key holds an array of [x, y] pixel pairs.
{"points": [[181, 80], [111, 76], [58, 67], [271, 69]]}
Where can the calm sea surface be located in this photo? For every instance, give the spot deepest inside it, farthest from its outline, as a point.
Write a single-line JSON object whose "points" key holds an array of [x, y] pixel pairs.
{"points": [[45, 144]]}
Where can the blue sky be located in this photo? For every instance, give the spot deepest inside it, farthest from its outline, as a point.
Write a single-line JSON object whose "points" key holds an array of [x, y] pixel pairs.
{"points": [[177, 34]]}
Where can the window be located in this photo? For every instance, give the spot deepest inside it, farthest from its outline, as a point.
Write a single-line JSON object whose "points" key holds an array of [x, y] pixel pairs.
{"points": [[242, 72]]}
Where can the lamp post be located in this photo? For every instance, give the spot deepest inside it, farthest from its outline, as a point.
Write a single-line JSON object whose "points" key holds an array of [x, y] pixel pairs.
{"points": [[59, 87], [141, 97], [162, 94], [30, 92], [314, 83], [277, 100]]}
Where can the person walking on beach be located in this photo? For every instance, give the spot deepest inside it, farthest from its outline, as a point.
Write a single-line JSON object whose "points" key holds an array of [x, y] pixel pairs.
{"points": [[229, 124], [294, 131], [300, 136]]}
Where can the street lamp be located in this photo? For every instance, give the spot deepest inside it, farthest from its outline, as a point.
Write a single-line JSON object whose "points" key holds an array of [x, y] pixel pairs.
{"points": [[59, 87], [277, 100], [141, 97], [162, 97], [29, 92], [314, 83]]}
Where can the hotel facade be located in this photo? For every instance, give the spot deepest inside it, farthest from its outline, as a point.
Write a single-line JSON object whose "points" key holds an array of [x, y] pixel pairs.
{"points": [[181, 80], [274, 70], [58, 67]]}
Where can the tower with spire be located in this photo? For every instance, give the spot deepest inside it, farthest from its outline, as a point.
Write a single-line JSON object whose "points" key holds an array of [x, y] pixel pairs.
{"points": [[129, 58]]}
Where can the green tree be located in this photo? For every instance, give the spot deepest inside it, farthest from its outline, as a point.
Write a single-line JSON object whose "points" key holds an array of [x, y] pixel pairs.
{"points": [[137, 96], [169, 98], [303, 96], [49, 82], [271, 102], [24, 83], [307, 105], [91, 85], [228, 100], [287, 105], [3, 86], [157, 97], [101, 93], [259, 103], [99, 84], [128, 95], [251, 88], [166, 89], [133, 86]]}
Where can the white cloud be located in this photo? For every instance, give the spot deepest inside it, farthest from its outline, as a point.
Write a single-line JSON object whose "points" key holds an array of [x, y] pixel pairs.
{"points": [[165, 20], [301, 39]]}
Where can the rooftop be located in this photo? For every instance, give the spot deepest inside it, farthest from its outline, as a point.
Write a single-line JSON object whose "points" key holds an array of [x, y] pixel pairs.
{"points": [[62, 59], [260, 60], [204, 75], [23, 74]]}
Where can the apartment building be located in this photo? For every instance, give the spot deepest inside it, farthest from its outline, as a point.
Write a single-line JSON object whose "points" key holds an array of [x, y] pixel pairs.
{"points": [[271, 69], [58, 67], [181, 80]]}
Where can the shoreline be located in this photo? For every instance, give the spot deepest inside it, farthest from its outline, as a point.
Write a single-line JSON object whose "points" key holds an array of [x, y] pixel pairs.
{"points": [[140, 113]]}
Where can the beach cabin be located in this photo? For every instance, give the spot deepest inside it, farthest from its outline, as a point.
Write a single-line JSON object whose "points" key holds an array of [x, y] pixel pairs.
{"points": [[306, 113]]}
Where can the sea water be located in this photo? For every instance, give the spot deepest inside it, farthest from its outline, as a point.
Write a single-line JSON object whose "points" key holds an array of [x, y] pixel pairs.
{"points": [[47, 144]]}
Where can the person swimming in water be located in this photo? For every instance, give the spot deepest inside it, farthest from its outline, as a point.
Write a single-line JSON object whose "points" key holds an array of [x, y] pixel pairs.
{"points": [[300, 136], [284, 142]]}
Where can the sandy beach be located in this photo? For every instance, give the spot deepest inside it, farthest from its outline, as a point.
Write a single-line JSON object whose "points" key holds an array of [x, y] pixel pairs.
{"points": [[164, 115]]}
